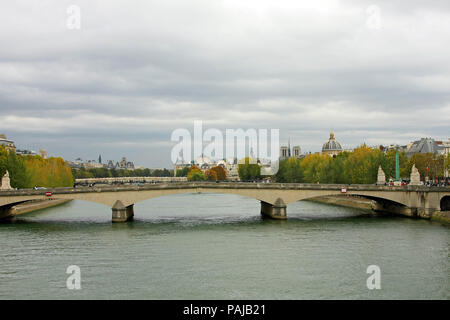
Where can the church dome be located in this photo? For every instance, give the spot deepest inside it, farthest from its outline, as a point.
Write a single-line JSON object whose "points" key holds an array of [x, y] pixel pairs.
{"points": [[203, 160], [331, 144]]}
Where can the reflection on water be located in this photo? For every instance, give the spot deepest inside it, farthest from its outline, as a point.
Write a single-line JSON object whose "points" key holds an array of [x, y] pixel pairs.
{"points": [[212, 246]]}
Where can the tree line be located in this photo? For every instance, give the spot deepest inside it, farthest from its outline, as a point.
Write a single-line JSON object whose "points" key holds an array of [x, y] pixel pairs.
{"points": [[216, 173], [33, 170], [119, 173], [357, 167]]}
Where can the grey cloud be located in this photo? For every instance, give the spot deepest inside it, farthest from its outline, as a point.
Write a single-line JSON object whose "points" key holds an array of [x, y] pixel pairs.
{"points": [[137, 71]]}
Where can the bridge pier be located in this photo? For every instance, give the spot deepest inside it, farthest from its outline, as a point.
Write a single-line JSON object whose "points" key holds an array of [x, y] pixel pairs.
{"points": [[426, 213], [274, 211], [120, 213]]}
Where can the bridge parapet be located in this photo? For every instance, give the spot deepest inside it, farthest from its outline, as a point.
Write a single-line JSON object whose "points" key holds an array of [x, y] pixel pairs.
{"points": [[227, 185]]}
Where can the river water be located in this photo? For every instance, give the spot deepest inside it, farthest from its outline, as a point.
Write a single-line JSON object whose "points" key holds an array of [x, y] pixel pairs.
{"points": [[213, 246]]}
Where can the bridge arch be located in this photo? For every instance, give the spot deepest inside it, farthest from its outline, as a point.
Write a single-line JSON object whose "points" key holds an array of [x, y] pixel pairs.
{"points": [[368, 197], [445, 203], [382, 200], [392, 197], [268, 193]]}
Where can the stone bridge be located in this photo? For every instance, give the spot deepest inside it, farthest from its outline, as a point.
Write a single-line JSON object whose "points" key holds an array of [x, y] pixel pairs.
{"points": [[274, 197]]}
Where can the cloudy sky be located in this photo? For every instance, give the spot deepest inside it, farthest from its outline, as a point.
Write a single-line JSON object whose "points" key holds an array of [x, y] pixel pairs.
{"points": [[371, 71]]}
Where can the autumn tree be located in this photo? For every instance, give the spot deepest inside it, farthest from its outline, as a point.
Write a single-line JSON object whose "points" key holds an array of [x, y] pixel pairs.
{"points": [[429, 164], [50, 173], [220, 172], [31, 170], [195, 174], [211, 175], [313, 165], [362, 164]]}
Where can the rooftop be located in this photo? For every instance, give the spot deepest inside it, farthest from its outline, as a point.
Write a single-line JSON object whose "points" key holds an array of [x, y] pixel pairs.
{"points": [[424, 145]]}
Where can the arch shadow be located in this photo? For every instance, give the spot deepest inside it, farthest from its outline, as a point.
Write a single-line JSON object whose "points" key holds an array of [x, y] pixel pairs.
{"points": [[379, 200], [445, 203]]}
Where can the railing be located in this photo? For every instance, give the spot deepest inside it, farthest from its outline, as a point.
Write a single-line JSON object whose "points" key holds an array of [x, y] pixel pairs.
{"points": [[222, 185]]}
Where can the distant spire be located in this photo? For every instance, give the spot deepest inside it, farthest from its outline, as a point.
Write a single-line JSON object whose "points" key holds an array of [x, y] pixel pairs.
{"points": [[100, 159], [252, 155]]}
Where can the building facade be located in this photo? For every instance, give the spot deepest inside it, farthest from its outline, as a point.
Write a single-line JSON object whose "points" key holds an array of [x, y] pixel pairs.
{"points": [[286, 152], [296, 152], [110, 164], [205, 163], [8, 144]]}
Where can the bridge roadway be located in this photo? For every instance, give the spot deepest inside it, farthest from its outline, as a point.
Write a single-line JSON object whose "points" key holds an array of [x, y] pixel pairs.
{"points": [[274, 197]]}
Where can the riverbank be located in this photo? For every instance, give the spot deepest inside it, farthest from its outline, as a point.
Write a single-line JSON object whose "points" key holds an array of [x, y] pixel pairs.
{"points": [[363, 203], [442, 216], [34, 205]]}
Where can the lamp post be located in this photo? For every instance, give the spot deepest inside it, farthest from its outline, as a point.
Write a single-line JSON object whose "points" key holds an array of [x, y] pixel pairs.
{"points": [[397, 165]]}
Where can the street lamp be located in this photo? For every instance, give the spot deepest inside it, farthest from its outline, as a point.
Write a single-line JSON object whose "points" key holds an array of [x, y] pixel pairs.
{"points": [[397, 164]]}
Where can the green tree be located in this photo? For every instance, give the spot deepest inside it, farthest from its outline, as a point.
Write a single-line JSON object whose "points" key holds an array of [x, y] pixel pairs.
{"points": [[289, 170], [162, 173], [248, 170], [18, 173], [182, 172], [389, 168]]}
